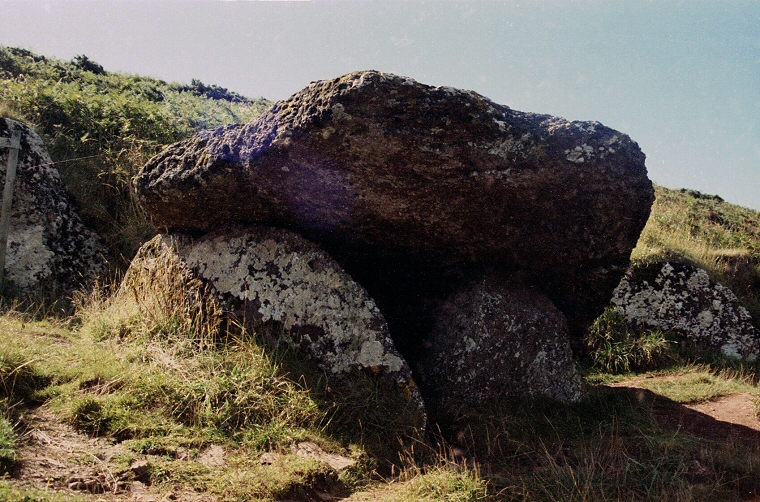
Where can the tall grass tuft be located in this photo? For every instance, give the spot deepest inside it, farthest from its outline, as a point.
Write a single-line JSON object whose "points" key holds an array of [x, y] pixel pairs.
{"points": [[163, 303], [17, 382], [439, 473], [7, 440], [615, 347]]}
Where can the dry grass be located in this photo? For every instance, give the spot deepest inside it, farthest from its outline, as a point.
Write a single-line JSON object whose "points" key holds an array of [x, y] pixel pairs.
{"points": [[7, 110]]}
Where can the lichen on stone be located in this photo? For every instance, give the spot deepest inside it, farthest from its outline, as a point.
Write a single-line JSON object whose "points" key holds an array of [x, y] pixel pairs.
{"points": [[276, 281], [289, 290], [681, 298], [493, 340], [50, 252]]}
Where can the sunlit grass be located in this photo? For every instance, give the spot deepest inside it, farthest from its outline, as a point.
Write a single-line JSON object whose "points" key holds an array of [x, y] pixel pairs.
{"points": [[695, 384]]}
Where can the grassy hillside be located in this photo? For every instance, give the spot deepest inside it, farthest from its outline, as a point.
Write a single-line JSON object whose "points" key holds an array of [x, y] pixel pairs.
{"points": [[100, 128], [165, 397], [720, 237]]}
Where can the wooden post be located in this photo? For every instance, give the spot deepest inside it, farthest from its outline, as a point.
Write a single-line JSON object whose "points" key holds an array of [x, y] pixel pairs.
{"points": [[14, 143]]}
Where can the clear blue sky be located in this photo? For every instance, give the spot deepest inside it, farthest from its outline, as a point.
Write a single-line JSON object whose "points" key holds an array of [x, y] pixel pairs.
{"points": [[680, 77]]}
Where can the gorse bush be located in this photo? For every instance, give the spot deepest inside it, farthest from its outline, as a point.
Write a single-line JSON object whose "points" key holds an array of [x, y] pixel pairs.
{"points": [[615, 347], [101, 127]]}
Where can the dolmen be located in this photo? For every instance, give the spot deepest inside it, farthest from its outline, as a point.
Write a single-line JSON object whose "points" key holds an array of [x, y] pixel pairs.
{"points": [[424, 235]]}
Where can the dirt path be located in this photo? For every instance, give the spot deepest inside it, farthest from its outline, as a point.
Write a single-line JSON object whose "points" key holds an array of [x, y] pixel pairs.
{"points": [[729, 417], [52, 455], [738, 409]]}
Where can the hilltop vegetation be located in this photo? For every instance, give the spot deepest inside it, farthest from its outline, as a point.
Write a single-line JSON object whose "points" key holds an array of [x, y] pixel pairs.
{"points": [[101, 127]]}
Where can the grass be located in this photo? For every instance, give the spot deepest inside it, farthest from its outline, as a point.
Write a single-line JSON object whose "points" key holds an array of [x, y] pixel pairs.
{"points": [[615, 347], [7, 111], [608, 447], [696, 383], [154, 368], [9, 493], [160, 397], [156, 397], [7, 443], [446, 482]]}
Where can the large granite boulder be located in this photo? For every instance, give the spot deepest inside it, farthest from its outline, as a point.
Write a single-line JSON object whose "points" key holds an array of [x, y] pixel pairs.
{"points": [[50, 252], [680, 298], [283, 287], [493, 340], [410, 186]]}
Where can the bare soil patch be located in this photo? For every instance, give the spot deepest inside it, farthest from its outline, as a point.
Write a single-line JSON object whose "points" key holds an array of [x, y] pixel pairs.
{"points": [[54, 456], [737, 409], [726, 418]]}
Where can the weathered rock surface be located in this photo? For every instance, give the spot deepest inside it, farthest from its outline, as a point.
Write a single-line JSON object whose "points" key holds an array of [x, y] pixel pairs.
{"points": [[276, 282], [407, 185], [493, 340], [681, 298], [50, 251]]}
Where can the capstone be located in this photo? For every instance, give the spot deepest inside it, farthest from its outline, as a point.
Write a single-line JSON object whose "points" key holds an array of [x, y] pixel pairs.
{"points": [[410, 186]]}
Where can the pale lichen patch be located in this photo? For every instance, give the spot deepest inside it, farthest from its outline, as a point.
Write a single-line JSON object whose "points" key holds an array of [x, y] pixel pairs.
{"points": [[273, 269], [29, 258], [575, 156], [50, 252], [682, 299], [339, 113]]}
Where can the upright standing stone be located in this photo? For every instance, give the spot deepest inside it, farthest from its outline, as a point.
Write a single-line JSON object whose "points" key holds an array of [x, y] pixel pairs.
{"points": [[492, 340], [50, 251]]}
